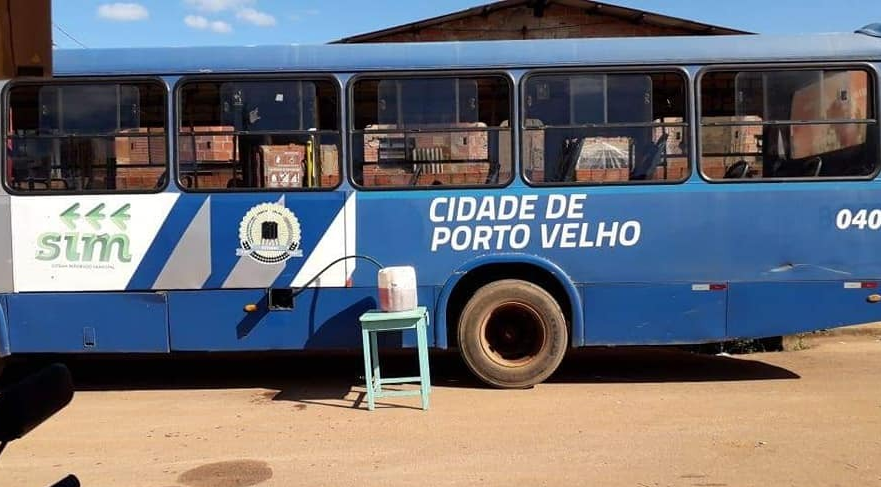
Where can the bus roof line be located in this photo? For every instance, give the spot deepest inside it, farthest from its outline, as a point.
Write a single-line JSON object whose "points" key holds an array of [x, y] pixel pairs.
{"points": [[469, 55]]}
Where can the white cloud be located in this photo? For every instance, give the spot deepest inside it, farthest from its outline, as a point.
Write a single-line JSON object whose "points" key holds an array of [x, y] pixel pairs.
{"points": [[201, 23], [255, 17], [196, 21], [307, 12], [217, 5], [220, 27], [123, 12]]}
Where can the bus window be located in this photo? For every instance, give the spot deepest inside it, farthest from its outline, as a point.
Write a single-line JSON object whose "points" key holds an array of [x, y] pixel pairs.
{"points": [[413, 132], [788, 124], [86, 137], [258, 134], [596, 128]]}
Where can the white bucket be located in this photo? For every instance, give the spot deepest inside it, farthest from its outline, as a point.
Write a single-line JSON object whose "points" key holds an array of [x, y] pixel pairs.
{"points": [[397, 288]]}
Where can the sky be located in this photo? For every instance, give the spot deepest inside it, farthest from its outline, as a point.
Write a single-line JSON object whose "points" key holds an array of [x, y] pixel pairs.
{"points": [[139, 23]]}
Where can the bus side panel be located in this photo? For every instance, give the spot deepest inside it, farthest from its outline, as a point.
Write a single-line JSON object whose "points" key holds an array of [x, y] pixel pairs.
{"points": [[321, 318], [760, 309], [630, 314], [4, 328], [88, 322]]}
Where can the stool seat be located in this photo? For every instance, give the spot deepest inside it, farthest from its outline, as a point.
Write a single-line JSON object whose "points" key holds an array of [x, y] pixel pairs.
{"points": [[374, 322]]}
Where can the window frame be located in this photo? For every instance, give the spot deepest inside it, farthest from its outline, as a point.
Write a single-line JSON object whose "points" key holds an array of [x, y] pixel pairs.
{"points": [[86, 80], [402, 75], [226, 77], [687, 123], [873, 84]]}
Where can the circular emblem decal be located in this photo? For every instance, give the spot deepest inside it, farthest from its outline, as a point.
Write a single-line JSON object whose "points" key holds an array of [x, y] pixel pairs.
{"points": [[270, 234]]}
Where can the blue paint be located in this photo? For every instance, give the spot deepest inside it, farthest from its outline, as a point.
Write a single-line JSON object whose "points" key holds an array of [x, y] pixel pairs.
{"points": [[775, 244], [56, 322], [167, 238], [5, 349], [321, 319], [314, 210], [440, 327], [652, 313], [736, 235], [783, 308]]}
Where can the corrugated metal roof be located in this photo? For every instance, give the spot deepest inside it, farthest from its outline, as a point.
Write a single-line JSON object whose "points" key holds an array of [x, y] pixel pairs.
{"points": [[463, 55], [589, 6]]}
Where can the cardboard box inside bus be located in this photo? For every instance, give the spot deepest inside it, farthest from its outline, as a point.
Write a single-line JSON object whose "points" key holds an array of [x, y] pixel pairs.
{"points": [[455, 146], [439, 157], [219, 149], [25, 38], [283, 165], [837, 96], [602, 159]]}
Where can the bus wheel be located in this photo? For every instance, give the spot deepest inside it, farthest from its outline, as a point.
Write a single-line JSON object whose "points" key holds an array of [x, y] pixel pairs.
{"points": [[512, 334]]}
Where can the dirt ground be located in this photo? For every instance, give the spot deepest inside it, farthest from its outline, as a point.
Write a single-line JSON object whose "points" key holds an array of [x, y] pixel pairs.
{"points": [[632, 417]]}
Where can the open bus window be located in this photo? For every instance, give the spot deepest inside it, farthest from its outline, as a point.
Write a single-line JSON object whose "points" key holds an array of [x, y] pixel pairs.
{"points": [[86, 137], [432, 131], [259, 134], [596, 128], [788, 124]]}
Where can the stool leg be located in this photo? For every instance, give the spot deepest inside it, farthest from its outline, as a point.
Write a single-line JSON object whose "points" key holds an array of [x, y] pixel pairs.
{"points": [[424, 374], [368, 369], [374, 351]]}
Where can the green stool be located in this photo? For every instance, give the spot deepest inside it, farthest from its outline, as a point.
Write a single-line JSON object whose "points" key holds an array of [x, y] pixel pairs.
{"points": [[373, 322]]}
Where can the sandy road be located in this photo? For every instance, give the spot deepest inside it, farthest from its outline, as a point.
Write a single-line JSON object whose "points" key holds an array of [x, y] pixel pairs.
{"points": [[609, 417]]}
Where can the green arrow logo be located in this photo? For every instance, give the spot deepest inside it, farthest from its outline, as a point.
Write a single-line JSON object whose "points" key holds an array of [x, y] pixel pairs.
{"points": [[120, 216], [70, 216], [95, 216]]}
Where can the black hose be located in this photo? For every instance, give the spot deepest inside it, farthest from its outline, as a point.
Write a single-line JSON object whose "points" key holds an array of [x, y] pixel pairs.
{"points": [[302, 288]]}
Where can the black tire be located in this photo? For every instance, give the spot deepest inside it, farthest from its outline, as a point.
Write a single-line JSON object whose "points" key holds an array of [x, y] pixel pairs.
{"points": [[512, 334]]}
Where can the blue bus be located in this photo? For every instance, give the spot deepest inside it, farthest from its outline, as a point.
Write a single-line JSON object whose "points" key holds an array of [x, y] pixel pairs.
{"points": [[551, 194]]}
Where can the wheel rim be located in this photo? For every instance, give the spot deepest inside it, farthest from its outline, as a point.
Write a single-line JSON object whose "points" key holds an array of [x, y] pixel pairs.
{"points": [[512, 334]]}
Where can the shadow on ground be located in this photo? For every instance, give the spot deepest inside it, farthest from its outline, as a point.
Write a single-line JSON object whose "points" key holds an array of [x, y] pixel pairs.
{"points": [[323, 379]]}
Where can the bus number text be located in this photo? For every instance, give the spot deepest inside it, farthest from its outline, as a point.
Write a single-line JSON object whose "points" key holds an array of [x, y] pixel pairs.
{"points": [[860, 219]]}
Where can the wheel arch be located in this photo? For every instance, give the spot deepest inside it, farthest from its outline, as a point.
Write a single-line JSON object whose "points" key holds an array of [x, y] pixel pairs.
{"points": [[485, 269]]}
